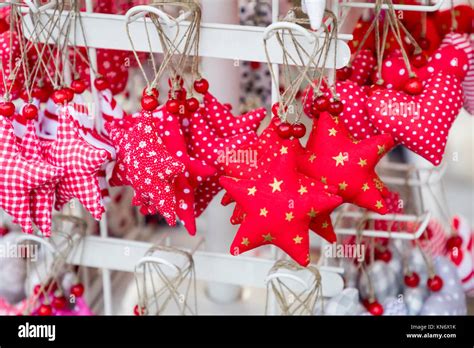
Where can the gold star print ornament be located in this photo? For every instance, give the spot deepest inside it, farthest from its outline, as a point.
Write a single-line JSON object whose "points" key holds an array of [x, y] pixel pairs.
{"points": [[281, 211], [347, 165]]}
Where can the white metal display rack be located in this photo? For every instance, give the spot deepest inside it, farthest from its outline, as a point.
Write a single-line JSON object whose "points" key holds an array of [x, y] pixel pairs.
{"points": [[218, 41]]}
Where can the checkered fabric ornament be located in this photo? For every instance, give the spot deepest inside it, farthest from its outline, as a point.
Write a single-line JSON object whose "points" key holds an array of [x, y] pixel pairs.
{"points": [[344, 303], [383, 279], [41, 198], [335, 158], [18, 177], [144, 163], [196, 171], [279, 207], [81, 163], [420, 122]]}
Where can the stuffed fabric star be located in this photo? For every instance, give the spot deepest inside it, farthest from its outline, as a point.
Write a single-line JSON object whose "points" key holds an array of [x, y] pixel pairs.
{"points": [[81, 163], [278, 208], [268, 148], [41, 198], [336, 159], [196, 171], [421, 122], [144, 163], [205, 145], [18, 177], [224, 123]]}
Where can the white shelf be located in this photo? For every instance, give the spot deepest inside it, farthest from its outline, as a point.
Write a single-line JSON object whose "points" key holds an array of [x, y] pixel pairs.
{"points": [[225, 41], [122, 255]]}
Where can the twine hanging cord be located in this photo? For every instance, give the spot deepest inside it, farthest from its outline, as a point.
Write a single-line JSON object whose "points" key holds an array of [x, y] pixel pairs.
{"points": [[289, 301]]}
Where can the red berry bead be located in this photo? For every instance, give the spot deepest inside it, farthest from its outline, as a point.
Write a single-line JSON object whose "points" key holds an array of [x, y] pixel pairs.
{"points": [[413, 86], [201, 86], [138, 310], [192, 104], [344, 73], [322, 103], [45, 310], [298, 130], [151, 91], [419, 60], [335, 108], [275, 109], [276, 121], [37, 289], [375, 308], [7, 109], [384, 256], [255, 65], [424, 43], [30, 111], [59, 96], [284, 130], [149, 103], [412, 280], [77, 290], [78, 86], [454, 242], [228, 106], [69, 94], [101, 83], [435, 283], [59, 302], [172, 105]]}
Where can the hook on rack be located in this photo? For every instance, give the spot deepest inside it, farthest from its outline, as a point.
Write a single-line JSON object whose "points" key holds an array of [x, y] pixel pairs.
{"points": [[272, 28], [140, 11], [36, 239], [37, 9]]}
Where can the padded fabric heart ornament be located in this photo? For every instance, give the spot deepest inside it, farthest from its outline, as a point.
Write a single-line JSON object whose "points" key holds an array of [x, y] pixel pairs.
{"points": [[448, 59], [462, 42], [421, 122]]}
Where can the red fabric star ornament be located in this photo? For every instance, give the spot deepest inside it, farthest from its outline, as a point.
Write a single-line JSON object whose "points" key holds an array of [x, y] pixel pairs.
{"points": [[196, 171], [144, 163], [268, 148], [204, 144], [278, 207], [19, 177], [421, 122], [224, 123], [81, 163], [335, 158], [41, 198]]}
